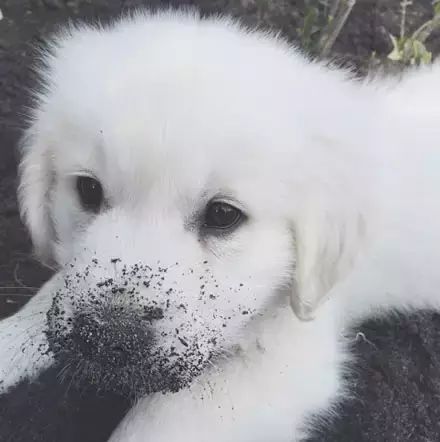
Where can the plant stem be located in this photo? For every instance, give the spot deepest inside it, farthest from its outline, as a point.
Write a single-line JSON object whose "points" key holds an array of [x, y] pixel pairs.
{"points": [[334, 26], [427, 29]]}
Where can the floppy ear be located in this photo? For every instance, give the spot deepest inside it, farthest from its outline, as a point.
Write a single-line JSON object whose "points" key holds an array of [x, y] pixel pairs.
{"points": [[36, 177], [327, 241]]}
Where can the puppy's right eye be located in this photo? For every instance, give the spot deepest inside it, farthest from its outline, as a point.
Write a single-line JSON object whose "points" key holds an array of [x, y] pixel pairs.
{"points": [[90, 193]]}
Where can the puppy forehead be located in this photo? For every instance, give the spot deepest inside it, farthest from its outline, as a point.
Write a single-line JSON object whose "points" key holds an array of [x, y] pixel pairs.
{"points": [[150, 96], [181, 155], [168, 74], [137, 57]]}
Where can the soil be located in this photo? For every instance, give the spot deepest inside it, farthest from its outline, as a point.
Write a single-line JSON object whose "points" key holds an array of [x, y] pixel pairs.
{"points": [[396, 381]]}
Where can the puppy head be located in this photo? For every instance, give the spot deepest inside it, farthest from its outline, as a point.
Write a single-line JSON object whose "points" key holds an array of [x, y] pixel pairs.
{"points": [[185, 177]]}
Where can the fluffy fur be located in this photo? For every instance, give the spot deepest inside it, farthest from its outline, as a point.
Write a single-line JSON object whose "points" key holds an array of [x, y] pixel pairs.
{"points": [[339, 182]]}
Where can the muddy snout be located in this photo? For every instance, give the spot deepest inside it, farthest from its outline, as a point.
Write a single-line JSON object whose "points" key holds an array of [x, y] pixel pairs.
{"points": [[130, 328], [106, 323], [112, 338]]}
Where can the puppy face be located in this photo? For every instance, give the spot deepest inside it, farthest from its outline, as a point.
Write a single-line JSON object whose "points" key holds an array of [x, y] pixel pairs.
{"points": [[182, 193], [166, 274]]}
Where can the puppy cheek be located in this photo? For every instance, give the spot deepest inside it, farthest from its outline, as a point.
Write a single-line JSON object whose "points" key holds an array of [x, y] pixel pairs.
{"points": [[36, 173], [71, 224]]}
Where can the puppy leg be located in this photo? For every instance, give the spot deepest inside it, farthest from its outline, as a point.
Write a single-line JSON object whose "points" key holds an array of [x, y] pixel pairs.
{"points": [[24, 350], [192, 417], [257, 396]]}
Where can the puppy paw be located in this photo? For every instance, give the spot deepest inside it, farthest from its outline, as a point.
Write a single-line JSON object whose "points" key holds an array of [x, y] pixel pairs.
{"points": [[24, 350]]}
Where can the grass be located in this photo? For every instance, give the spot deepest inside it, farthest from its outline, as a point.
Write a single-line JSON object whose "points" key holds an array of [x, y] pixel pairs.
{"points": [[323, 22], [324, 19], [409, 47]]}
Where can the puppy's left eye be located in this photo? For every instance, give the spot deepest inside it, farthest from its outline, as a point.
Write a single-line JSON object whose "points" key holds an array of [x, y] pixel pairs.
{"points": [[220, 215]]}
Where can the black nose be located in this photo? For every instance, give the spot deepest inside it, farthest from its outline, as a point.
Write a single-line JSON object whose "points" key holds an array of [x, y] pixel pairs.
{"points": [[111, 340]]}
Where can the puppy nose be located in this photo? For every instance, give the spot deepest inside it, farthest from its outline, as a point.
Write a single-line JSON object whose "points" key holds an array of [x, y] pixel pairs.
{"points": [[111, 340]]}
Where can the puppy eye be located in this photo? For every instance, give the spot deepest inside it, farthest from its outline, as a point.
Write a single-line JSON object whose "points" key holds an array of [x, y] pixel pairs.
{"points": [[90, 192], [219, 215]]}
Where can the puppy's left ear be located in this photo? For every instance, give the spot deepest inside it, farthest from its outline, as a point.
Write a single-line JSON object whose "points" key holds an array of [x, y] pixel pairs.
{"points": [[328, 241], [36, 176]]}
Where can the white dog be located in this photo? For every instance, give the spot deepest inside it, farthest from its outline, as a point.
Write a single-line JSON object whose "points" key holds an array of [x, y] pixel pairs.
{"points": [[221, 211]]}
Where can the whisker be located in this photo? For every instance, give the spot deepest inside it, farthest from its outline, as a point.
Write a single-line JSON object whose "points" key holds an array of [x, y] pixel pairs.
{"points": [[76, 371], [63, 373], [215, 367]]}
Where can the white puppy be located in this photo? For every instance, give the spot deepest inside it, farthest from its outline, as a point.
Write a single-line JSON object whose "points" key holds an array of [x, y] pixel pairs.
{"points": [[203, 190]]}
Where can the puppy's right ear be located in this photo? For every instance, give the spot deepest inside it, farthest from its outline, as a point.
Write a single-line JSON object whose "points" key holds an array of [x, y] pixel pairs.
{"points": [[36, 177]]}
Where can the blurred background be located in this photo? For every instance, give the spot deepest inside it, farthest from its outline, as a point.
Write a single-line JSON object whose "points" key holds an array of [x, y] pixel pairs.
{"points": [[396, 380]]}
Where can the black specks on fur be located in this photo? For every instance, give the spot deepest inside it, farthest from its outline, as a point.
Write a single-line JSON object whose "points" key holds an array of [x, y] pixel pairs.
{"points": [[117, 353], [109, 338], [152, 313]]}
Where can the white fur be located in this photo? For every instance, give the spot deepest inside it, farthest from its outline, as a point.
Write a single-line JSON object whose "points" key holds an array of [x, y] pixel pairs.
{"points": [[340, 180]]}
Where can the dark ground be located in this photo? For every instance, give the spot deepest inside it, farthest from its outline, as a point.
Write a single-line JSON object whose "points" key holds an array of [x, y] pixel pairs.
{"points": [[396, 382]]}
